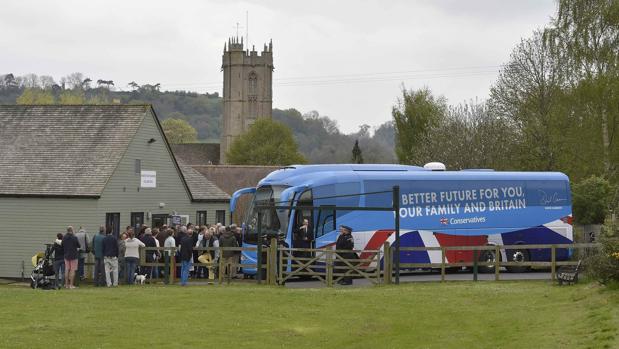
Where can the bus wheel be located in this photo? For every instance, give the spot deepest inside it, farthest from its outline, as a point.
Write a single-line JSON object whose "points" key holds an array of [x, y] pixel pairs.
{"points": [[488, 256], [519, 256]]}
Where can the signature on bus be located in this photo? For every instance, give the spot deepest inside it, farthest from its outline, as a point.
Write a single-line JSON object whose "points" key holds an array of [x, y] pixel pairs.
{"points": [[550, 199]]}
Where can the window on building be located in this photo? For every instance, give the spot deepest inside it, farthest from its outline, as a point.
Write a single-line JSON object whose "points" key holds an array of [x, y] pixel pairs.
{"points": [[220, 216], [253, 84], [201, 218], [137, 219], [138, 166]]}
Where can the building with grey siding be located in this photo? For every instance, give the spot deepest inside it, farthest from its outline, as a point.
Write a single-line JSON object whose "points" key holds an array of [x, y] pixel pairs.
{"points": [[88, 165]]}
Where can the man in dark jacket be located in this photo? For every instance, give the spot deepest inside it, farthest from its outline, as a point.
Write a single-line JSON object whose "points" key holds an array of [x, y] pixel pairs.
{"points": [[58, 260], [186, 256], [345, 241], [302, 238], [97, 250], [70, 246], [110, 259], [149, 241], [228, 239]]}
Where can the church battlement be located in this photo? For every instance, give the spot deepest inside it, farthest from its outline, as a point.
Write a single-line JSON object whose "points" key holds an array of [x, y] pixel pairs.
{"points": [[235, 46]]}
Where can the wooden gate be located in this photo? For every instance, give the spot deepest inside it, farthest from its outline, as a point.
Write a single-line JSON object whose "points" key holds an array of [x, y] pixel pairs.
{"points": [[328, 265]]}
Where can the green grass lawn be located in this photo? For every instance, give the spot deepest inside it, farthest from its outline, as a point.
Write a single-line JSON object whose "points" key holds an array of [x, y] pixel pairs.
{"points": [[519, 315]]}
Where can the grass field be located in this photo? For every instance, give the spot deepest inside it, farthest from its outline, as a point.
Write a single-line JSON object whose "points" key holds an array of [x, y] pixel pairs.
{"points": [[423, 315]]}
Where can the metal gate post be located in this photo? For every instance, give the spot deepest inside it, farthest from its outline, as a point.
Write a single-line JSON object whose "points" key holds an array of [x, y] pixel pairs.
{"points": [[553, 263], [259, 252], [475, 265], [396, 209]]}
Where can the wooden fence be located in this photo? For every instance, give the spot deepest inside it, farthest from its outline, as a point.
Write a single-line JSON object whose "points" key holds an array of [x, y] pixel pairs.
{"points": [[581, 249], [377, 266]]}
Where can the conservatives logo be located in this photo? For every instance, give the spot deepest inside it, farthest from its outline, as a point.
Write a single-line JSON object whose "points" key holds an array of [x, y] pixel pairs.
{"points": [[444, 221]]}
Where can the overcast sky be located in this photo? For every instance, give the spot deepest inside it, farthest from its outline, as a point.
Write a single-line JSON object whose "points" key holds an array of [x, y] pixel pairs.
{"points": [[345, 59]]}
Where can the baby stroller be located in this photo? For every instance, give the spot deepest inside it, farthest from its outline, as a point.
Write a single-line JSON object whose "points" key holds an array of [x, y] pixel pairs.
{"points": [[43, 273]]}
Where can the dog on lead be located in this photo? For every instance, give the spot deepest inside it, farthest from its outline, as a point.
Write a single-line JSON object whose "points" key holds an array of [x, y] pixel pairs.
{"points": [[139, 279]]}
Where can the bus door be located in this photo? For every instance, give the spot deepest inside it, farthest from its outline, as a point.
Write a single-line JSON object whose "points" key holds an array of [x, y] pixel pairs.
{"points": [[326, 225], [302, 214]]}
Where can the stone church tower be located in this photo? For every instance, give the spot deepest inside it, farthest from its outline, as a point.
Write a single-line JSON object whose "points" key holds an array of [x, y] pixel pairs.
{"points": [[247, 91]]}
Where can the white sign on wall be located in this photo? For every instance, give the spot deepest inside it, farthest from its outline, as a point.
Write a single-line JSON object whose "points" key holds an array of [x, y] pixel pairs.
{"points": [[148, 179]]}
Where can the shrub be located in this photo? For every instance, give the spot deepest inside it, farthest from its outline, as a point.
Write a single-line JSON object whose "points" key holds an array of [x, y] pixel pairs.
{"points": [[604, 265], [591, 200]]}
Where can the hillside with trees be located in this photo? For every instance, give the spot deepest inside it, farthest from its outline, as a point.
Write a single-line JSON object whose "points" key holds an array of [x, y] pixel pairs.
{"points": [[318, 137]]}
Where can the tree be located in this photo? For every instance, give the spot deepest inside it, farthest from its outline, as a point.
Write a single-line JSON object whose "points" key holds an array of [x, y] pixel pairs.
{"points": [[179, 131], [415, 115], [267, 142], [588, 31], [357, 157], [469, 136], [85, 85], [592, 200], [107, 83], [35, 96], [46, 81], [73, 81], [9, 81], [529, 93], [75, 96]]}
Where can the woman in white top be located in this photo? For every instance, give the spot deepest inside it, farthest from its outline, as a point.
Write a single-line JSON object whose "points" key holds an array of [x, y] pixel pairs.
{"points": [[132, 256]]}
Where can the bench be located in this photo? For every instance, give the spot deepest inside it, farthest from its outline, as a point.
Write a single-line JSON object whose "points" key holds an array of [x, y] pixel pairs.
{"points": [[568, 274]]}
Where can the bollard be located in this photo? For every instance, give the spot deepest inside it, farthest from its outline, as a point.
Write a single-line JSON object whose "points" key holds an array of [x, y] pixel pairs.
{"points": [[387, 263], [442, 263], [553, 262], [475, 265], [497, 262], [166, 267]]}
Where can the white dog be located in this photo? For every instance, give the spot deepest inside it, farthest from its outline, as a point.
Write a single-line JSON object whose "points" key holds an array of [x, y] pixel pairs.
{"points": [[139, 279]]}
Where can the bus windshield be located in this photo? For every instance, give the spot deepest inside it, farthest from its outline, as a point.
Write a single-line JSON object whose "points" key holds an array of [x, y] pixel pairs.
{"points": [[273, 221]]}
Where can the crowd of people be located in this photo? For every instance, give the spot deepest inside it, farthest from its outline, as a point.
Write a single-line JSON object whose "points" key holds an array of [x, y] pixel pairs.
{"points": [[116, 259]]}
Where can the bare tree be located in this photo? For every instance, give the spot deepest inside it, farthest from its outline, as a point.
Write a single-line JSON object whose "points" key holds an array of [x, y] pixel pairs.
{"points": [[46, 81]]}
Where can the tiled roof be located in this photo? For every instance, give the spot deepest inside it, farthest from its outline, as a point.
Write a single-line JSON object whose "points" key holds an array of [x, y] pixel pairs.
{"points": [[197, 153], [231, 178], [200, 187], [63, 150]]}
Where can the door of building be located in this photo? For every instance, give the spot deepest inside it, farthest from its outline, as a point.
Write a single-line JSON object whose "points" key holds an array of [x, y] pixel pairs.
{"points": [[112, 221], [159, 220], [137, 219]]}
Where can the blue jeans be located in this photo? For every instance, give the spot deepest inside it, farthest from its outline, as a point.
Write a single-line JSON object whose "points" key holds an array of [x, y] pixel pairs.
{"points": [[130, 264], [59, 270], [185, 265]]}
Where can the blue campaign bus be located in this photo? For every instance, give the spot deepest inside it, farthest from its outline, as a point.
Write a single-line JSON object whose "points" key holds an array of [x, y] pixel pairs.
{"points": [[437, 208]]}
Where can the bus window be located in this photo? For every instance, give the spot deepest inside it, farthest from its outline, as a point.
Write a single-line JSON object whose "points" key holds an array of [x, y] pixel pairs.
{"points": [[326, 222], [273, 221], [304, 213]]}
